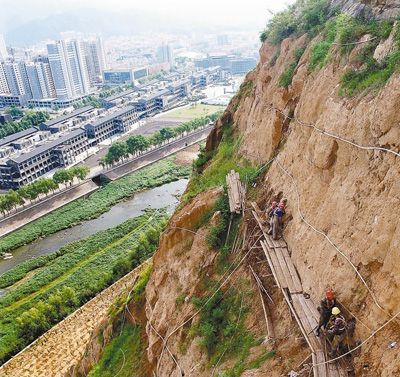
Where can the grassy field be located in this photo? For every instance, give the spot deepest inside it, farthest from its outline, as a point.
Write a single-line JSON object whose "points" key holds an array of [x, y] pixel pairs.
{"points": [[85, 267], [193, 111], [97, 203]]}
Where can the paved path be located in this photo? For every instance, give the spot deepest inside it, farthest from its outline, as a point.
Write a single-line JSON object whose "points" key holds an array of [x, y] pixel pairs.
{"points": [[46, 206], [59, 351], [21, 218], [302, 308]]}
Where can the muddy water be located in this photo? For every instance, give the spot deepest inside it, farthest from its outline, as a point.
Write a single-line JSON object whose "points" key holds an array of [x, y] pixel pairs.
{"points": [[165, 196]]}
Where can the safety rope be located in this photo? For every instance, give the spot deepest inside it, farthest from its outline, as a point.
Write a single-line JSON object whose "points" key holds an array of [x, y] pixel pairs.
{"points": [[330, 134], [206, 302], [361, 344], [328, 239], [354, 43]]}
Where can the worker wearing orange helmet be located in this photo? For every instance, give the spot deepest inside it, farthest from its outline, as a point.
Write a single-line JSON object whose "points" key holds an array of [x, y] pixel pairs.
{"points": [[325, 310]]}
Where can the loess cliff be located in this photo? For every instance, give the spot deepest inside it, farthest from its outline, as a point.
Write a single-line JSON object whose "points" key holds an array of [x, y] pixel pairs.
{"points": [[330, 155]]}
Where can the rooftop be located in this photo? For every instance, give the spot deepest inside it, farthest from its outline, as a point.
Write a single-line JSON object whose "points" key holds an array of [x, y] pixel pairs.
{"points": [[119, 95], [62, 118], [18, 135], [111, 116]]}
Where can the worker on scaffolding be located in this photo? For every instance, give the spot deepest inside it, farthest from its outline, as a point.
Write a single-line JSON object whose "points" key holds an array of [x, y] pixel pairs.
{"points": [[269, 212], [337, 331], [325, 310], [277, 221]]}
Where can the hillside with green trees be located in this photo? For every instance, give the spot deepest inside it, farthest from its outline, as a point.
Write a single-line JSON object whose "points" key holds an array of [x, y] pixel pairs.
{"points": [[328, 29], [49, 288]]}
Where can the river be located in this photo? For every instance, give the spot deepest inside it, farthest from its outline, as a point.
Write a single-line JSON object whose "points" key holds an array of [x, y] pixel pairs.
{"points": [[165, 196]]}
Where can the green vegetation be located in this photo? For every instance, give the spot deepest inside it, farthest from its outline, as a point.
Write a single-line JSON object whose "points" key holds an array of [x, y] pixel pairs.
{"points": [[31, 191], [275, 57], [372, 74], [301, 17], [88, 101], [286, 78], [86, 267], [193, 111], [345, 30], [31, 118], [136, 145], [225, 159], [97, 203], [222, 331], [123, 356]]}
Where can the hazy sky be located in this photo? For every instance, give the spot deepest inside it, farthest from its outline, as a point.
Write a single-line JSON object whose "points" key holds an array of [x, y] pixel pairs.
{"points": [[243, 12]]}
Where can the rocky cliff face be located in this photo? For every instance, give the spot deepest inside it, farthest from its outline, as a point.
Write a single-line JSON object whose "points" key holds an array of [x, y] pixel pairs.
{"points": [[346, 189], [378, 9]]}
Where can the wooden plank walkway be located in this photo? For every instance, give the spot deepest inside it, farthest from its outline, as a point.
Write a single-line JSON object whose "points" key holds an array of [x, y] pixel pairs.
{"points": [[303, 309], [236, 192]]}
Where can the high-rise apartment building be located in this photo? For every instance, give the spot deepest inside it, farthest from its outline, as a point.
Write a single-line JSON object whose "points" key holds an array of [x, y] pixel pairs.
{"points": [[17, 79], [68, 68], [165, 54], [40, 80], [3, 48], [3, 81], [95, 60]]}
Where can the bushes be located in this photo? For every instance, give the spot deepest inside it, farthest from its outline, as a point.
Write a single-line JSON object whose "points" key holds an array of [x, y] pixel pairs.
{"points": [[225, 159], [97, 203], [123, 356], [372, 74], [217, 234], [87, 267], [39, 318], [222, 331], [303, 16], [286, 78]]}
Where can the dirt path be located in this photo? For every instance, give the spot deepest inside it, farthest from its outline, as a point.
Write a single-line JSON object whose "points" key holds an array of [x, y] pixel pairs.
{"points": [[58, 352]]}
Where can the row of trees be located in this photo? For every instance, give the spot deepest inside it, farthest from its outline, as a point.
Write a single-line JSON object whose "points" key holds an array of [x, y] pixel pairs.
{"points": [[31, 118], [137, 144], [43, 186]]}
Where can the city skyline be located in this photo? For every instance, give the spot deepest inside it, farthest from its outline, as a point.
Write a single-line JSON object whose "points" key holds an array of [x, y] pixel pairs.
{"points": [[49, 18]]}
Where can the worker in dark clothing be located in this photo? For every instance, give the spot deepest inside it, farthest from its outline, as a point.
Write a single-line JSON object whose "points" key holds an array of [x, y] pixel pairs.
{"points": [[277, 221], [325, 310], [337, 330]]}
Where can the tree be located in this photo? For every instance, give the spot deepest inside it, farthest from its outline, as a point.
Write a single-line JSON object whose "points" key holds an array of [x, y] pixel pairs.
{"points": [[13, 199], [80, 172], [15, 112], [167, 133], [62, 176], [118, 151], [132, 145]]}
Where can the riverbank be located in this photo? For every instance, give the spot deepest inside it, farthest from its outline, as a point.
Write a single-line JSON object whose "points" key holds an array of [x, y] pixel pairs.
{"points": [[44, 292], [16, 221], [97, 203], [164, 196]]}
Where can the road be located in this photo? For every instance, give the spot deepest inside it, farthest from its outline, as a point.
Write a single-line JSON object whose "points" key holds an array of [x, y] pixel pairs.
{"points": [[46, 206], [150, 127]]}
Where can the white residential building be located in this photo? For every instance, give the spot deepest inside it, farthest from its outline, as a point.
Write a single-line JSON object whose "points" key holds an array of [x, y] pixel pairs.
{"points": [[68, 68], [95, 60], [3, 48]]}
